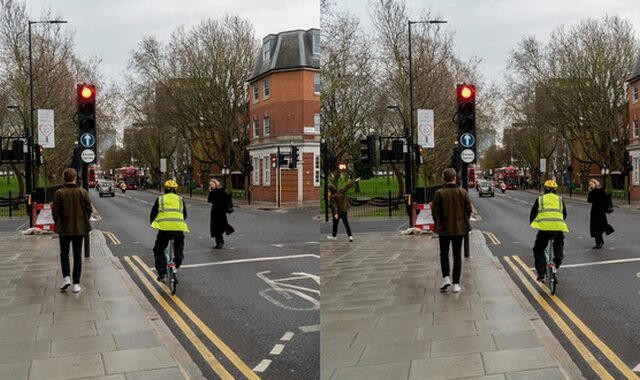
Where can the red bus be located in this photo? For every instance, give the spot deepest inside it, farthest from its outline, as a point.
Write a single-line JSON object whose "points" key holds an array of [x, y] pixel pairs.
{"points": [[508, 175], [92, 176], [129, 175], [472, 176]]}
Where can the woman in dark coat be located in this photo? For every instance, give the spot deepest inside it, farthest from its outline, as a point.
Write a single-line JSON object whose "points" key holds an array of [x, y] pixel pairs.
{"points": [[598, 219], [219, 205]]}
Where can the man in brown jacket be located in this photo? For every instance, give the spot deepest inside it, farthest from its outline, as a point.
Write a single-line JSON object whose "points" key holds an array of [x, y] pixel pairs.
{"points": [[71, 209], [451, 208], [340, 205]]}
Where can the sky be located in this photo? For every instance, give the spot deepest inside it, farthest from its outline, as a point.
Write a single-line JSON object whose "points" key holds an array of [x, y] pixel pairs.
{"points": [[111, 29], [490, 29]]}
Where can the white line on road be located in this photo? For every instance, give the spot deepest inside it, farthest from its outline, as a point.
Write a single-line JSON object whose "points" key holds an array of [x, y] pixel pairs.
{"points": [[277, 349], [249, 260], [317, 242], [278, 245], [637, 369], [600, 263], [287, 336], [308, 329], [264, 364]]}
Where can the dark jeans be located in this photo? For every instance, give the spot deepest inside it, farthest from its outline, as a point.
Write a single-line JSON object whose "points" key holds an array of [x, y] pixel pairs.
{"points": [[542, 239], [345, 220], [456, 244], [599, 239], [162, 241], [219, 238], [65, 242]]}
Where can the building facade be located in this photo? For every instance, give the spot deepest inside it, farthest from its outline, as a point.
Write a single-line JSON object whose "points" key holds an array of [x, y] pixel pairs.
{"points": [[633, 148], [284, 112]]}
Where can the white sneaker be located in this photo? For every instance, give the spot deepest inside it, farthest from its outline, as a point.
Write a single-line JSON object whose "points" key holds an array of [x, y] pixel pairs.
{"points": [[330, 237], [446, 282], [76, 288], [66, 283], [456, 288], [351, 238]]}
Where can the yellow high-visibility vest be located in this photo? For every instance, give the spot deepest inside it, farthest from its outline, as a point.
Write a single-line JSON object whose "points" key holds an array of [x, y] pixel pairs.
{"points": [[550, 216], [170, 214]]}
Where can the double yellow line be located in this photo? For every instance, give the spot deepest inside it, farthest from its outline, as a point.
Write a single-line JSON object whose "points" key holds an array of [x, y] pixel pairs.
{"points": [[521, 271], [140, 270], [492, 237], [112, 237]]}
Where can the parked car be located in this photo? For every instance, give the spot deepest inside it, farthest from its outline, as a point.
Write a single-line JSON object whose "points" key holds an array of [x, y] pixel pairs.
{"points": [[486, 188], [106, 187]]}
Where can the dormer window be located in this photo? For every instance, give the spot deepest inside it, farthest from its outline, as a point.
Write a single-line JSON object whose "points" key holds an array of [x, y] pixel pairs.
{"points": [[266, 51], [316, 44]]}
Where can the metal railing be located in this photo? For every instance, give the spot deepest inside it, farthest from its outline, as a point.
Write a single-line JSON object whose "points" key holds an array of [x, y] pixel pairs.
{"points": [[11, 205], [376, 204]]}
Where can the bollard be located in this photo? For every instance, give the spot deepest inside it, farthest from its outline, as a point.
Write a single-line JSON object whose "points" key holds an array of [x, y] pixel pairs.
{"points": [[10, 205], [389, 198]]}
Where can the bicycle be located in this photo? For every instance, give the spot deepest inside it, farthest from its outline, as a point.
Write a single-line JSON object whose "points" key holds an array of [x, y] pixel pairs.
{"points": [[551, 278], [171, 278]]}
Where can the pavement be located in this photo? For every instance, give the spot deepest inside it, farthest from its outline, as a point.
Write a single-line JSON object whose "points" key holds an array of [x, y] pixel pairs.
{"points": [[107, 331], [384, 317]]}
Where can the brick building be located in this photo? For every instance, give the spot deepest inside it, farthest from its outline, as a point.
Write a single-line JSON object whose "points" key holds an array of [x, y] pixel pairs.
{"points": [[633, 90], [284, 111]]}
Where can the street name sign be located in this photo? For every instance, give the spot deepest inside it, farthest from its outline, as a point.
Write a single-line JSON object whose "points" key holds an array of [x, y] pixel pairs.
{"points": [[426, 135], [467, 140], [467, 156], [88, 156], [46, 136], [87, 140]]}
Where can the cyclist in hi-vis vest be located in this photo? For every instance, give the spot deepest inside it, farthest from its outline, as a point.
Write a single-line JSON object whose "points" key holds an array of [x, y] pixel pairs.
{"points": [[168, 217], [547, 216]]}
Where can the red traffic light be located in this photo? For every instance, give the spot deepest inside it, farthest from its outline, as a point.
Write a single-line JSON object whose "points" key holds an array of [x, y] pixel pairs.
{"points": [[86, 91], [465, 91]]}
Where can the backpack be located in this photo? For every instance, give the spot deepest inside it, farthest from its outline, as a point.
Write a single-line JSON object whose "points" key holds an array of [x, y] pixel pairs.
{"points": [[229, 203], [609, 204]]}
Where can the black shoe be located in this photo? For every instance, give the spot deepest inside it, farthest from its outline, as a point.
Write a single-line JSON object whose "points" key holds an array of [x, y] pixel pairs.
{"points": [[218, 246], [161, 277], [598, 246], [541, 277]]}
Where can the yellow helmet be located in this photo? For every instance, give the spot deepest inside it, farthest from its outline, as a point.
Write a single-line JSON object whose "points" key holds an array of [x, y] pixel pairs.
{"points": [[171, 184], [551, 185]]}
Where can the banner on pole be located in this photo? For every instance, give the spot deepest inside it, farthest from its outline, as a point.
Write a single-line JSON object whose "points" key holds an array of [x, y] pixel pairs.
{"points": [[426, 135], [46, 136]]}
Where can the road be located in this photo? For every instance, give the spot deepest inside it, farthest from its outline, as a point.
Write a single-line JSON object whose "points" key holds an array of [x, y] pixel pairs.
{"points": [[595, 311], [259, 327]]}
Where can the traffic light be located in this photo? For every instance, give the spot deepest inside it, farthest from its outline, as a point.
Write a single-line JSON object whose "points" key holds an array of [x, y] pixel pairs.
{"points": [[282, 160], [368, 151], [38, 150], [294, 157], [466, 118], [247, 166], [86, 119], [274, 161], [417, 149]]}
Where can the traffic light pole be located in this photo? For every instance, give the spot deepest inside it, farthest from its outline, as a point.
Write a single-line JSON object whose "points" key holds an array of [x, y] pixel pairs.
{"points": [[408, 167]]}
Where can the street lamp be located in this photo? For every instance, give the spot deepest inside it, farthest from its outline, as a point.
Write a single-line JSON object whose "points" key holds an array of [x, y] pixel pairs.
{"points": [[24, 120], [29, 167], [411, 109], [409, 135]]}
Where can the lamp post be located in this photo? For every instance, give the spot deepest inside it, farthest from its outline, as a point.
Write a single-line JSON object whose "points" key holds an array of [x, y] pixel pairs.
{"points": [[29, 167], [409, 135]]}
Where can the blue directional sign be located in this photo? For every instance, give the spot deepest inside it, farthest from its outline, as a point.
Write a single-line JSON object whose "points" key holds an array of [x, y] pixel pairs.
{"points": [[467, 140], [87, 140]]}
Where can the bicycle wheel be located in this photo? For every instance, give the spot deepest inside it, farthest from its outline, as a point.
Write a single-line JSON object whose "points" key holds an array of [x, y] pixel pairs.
{"points": [[553, 283], [174, 282]]}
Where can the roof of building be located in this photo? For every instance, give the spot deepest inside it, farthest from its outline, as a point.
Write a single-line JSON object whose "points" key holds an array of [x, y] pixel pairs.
{"points": [[635, 73], [287, 50]]}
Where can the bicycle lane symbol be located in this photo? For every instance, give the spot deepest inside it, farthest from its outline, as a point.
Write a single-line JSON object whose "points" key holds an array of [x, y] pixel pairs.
{"points": [[291, 295]]}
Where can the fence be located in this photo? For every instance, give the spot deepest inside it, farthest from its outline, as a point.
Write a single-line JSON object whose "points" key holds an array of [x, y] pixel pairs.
{"points": [[377, 204], [11, 205]]}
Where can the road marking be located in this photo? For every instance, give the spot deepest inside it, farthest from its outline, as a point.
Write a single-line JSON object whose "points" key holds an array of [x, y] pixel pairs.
{"points": [[600, 263], [278, 245], [287, 336], [249, 260], [637, 369], [571, 336], [492, 237], [312, 242], [112, 237], [308, 329], [215, 365], [233, 358], [613, 358], [277, 349], [288, 291], [309, 275], [264, 364]]}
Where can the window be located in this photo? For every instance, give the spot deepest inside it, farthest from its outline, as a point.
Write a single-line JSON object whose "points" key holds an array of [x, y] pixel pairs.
{"points": [[256, 127], [316, 123], [256, 171], [266, 51], [316, 44], [266, 181], [316, 170], [266, 125], [256, 95], [635, 92], [267, 89], [316, 84], [636, 130]]}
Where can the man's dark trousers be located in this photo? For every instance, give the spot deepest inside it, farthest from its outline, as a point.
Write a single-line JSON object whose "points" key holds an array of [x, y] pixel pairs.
{"points": [[456, 245], [542, 240], [162, 241]]}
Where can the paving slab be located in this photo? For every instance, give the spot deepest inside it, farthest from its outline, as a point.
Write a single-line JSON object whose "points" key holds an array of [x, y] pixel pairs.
{"points": [[373, 372], [453, 367], [137, 360], [71, 367]]}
